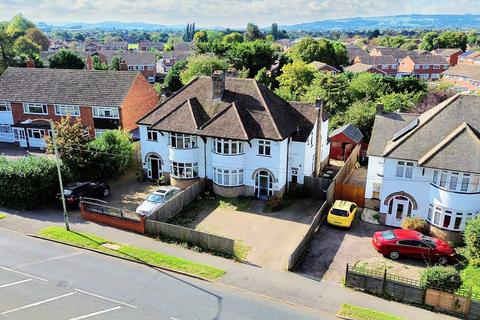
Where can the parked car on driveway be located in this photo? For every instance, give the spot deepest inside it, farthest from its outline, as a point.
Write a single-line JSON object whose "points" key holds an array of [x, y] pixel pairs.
{"points": [[342, 213], [156, 199], [413, 244], [73, 191]]}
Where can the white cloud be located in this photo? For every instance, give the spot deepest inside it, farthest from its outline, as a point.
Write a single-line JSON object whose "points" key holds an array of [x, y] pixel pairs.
{"points": [[232, 13]]}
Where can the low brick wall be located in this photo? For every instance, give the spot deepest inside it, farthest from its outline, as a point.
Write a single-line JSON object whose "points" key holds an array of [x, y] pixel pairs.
{"points": [[117, 222]]}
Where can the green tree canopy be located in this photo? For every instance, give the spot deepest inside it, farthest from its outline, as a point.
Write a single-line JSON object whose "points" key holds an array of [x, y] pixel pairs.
{"points": [[332, 89], [172, 80], [66, 59], [309, 49], [38, 37], [98, 65], [251, 55], [18, 26], [233, 37], [295, 80], [23, 45], [446, 39], [201, 65], [252, 32]]}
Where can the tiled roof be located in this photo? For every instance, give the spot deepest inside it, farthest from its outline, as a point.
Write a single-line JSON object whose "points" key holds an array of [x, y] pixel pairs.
{"points": [[320, 65], [445, 52], [131, 57], [361, 67], [446, 136], [464, 70], [376, 60], [66, 86], [431, 59], [246, 110]]}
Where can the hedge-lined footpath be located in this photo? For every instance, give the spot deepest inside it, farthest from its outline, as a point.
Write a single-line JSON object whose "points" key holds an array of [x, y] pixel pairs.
{"points": [[348, 311], [157, 259]]}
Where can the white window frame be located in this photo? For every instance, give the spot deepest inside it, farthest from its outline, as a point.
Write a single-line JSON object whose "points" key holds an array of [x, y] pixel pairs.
{"points": [[456, 181], [99, 132], [152, 135], [5, 128], [226, 146], [62, 110], [228, 177], [41, 132], [6, 105], [264, 148], [184, 170], [437, 215], [182, 141], [28, 105], [99, 112], [404, 169]]}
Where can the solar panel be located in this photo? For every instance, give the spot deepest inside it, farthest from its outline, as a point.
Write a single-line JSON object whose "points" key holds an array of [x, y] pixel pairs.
{"points": [[412, 125]]}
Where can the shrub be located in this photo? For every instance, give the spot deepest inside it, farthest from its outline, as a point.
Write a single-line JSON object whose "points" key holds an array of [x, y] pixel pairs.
{"points": [[472, 238], [275, 204], [27, 182], [414, 223], [440, 277]]}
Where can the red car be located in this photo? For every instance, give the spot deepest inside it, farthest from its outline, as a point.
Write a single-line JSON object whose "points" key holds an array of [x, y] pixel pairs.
{"points": [[413, 244]]}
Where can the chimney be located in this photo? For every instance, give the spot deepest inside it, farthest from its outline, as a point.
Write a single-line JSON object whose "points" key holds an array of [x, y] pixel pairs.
{"points": [[123, 65], [379, 109], [30, 63], [218, 84]]}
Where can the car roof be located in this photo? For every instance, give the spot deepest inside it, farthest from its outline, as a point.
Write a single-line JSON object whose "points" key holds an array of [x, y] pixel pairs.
{"points": [[402, 234], [342, 204], [74, 185]]}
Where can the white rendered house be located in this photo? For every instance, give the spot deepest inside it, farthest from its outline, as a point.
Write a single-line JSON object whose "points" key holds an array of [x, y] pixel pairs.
{"points": [[236, 133], [427, 165]]}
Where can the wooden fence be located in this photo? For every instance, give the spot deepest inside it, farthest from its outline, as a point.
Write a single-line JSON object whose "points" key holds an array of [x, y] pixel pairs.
{"points": [[316, 186], [173, 206], [194, 237], [350, 192], [409, 291]]}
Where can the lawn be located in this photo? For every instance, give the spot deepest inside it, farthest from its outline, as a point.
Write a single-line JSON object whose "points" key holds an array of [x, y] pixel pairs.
{"points": [[349, 311], [2, 216], [132, 253]]}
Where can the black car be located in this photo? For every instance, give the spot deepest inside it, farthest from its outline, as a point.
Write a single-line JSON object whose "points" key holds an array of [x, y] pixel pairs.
{"points": [[74, 191]]}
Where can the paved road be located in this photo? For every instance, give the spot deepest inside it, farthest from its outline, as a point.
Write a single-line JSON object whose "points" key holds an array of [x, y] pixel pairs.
{"points": [[44, 280]]}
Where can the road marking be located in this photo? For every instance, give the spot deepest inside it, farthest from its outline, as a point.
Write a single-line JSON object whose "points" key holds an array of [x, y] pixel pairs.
{"points": [[93, 314], [51, 259], [102, 297], [14, 283], [172, 318], [38, 303], [23, 273]]}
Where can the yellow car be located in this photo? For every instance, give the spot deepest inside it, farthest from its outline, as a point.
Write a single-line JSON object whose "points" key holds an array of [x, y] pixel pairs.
{"points": [[342, 213]]}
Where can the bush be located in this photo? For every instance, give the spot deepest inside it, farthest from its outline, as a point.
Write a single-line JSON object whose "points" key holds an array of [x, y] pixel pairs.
{"points": [[472, 238], [440, 277], [414, 223], [275, 204], [27, 182]]}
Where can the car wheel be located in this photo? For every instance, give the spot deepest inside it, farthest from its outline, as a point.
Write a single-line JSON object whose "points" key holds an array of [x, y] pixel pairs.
{"points": [[442, 260], [394, 255], [106, 192]]}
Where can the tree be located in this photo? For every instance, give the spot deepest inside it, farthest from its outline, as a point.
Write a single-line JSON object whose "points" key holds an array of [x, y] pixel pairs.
{"points": [[98, 65], [115, 63], [232, 38], [201, 65], [252, 32], [274, 31], [25, 46], [172, 80], [429, 41], [409, 45], [366, 86], [295, 79], [66, 59], [472, 240], [200, 36], [38, 37], [18, 26], [362, 115], [452, 39], [392, 41], [309, 49], [6, 50], [251, 55], [332, 89], [263, 77], [189, 32]]}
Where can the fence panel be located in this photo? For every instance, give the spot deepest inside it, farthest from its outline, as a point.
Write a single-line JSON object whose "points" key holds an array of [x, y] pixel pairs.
{"points": [[474, 310], [316, 186], [446, 301], [194, 237]]}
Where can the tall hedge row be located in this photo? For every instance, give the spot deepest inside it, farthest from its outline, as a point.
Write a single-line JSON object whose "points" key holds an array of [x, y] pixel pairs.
{"points": [[27, 182]]}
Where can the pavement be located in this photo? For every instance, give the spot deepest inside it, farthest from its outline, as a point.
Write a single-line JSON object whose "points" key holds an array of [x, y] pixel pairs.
{"points": [[293, 288], [45, 280]]}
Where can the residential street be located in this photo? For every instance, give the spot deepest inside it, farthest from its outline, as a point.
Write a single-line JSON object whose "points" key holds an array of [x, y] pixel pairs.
{"points": [[44, 280]]}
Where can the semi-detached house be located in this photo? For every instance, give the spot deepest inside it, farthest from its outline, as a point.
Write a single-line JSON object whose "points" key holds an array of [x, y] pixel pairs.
{"points": [[427, 166], [30, 97], [236, 133]]}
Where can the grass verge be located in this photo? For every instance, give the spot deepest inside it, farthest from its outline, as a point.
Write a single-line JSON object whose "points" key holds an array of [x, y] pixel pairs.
{"points": [[241, 250], [2, 216], [132, 253], [349, 311]]}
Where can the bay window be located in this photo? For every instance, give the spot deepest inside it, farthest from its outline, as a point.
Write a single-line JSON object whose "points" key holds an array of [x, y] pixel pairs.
{"points": [[228, 177], [228, 147], [184, 170], [449, 219], [64, 110], [456, 181], [183, 141]]}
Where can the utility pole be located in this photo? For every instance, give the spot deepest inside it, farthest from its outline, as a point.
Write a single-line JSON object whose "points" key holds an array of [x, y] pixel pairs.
{"points": [[59, 171]]}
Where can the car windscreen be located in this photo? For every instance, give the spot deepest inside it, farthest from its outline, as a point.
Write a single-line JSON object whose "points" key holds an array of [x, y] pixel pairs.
{"points": [[154, 197], [67, 192], [388, 235], [429, 241], [339, 212]]}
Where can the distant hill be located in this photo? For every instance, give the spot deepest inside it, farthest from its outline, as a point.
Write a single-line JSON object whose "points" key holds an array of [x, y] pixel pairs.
{"points": [[412, 21], [107, 25]]}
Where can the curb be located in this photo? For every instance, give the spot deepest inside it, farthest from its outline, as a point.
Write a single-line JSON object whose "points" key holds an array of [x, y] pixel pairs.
{"points": [[125, 258]]}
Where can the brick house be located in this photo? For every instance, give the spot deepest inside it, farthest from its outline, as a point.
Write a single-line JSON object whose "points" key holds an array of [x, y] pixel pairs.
{"points": [[396, 53], [450, 54], [469, 57], [114, 45], [102, 99], [387, 64], [324, 68], [423, 67], [464, 76], [90, 45], [146, 45], [361, 67]]}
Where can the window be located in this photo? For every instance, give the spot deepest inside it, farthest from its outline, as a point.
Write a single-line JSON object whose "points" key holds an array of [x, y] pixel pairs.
{"points": [[228, 177], [404, 169], [435, 177], [448, 219], [152, 135], [227, 146], [456, 181], [4, 106], [36, 133], [5, 128], [63, 110], [183, 141], [436, 66], [264, 147], [430, 212], [443, 179], [465, 182], [184, 170], [453, 181], [35, 108], [99, 132], [105, 112]]}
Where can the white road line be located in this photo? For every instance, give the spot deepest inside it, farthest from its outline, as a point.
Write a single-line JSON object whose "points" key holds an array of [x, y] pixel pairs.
{"points": [[23, 274], [38, 303], [50, 259], [105, 298], [93, 314], [14, 283]]}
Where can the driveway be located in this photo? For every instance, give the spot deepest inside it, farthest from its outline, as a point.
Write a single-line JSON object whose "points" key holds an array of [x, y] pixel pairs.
{"points": [[332, 248], [269, 236]]}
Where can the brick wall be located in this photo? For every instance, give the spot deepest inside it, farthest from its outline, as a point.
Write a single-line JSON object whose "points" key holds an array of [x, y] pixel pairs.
{"points": [[125, 224], [465, 83], [141, 99]]}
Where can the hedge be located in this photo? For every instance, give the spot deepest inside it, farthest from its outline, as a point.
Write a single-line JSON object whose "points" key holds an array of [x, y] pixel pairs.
{"points": [[27, 182], [440, 277], [472, 240]]}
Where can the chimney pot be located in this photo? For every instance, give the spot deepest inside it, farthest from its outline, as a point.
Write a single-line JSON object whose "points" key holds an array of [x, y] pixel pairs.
{"points": [[379, 109], [218, 84]]}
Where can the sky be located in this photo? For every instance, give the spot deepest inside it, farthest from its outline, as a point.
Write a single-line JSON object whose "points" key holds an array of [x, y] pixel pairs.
{"points": [[226, 13]]}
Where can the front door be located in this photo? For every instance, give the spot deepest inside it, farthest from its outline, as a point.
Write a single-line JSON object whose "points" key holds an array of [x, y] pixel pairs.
{"points": [[19, 136], [154, 167], [399, 211], [263, 185]]}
